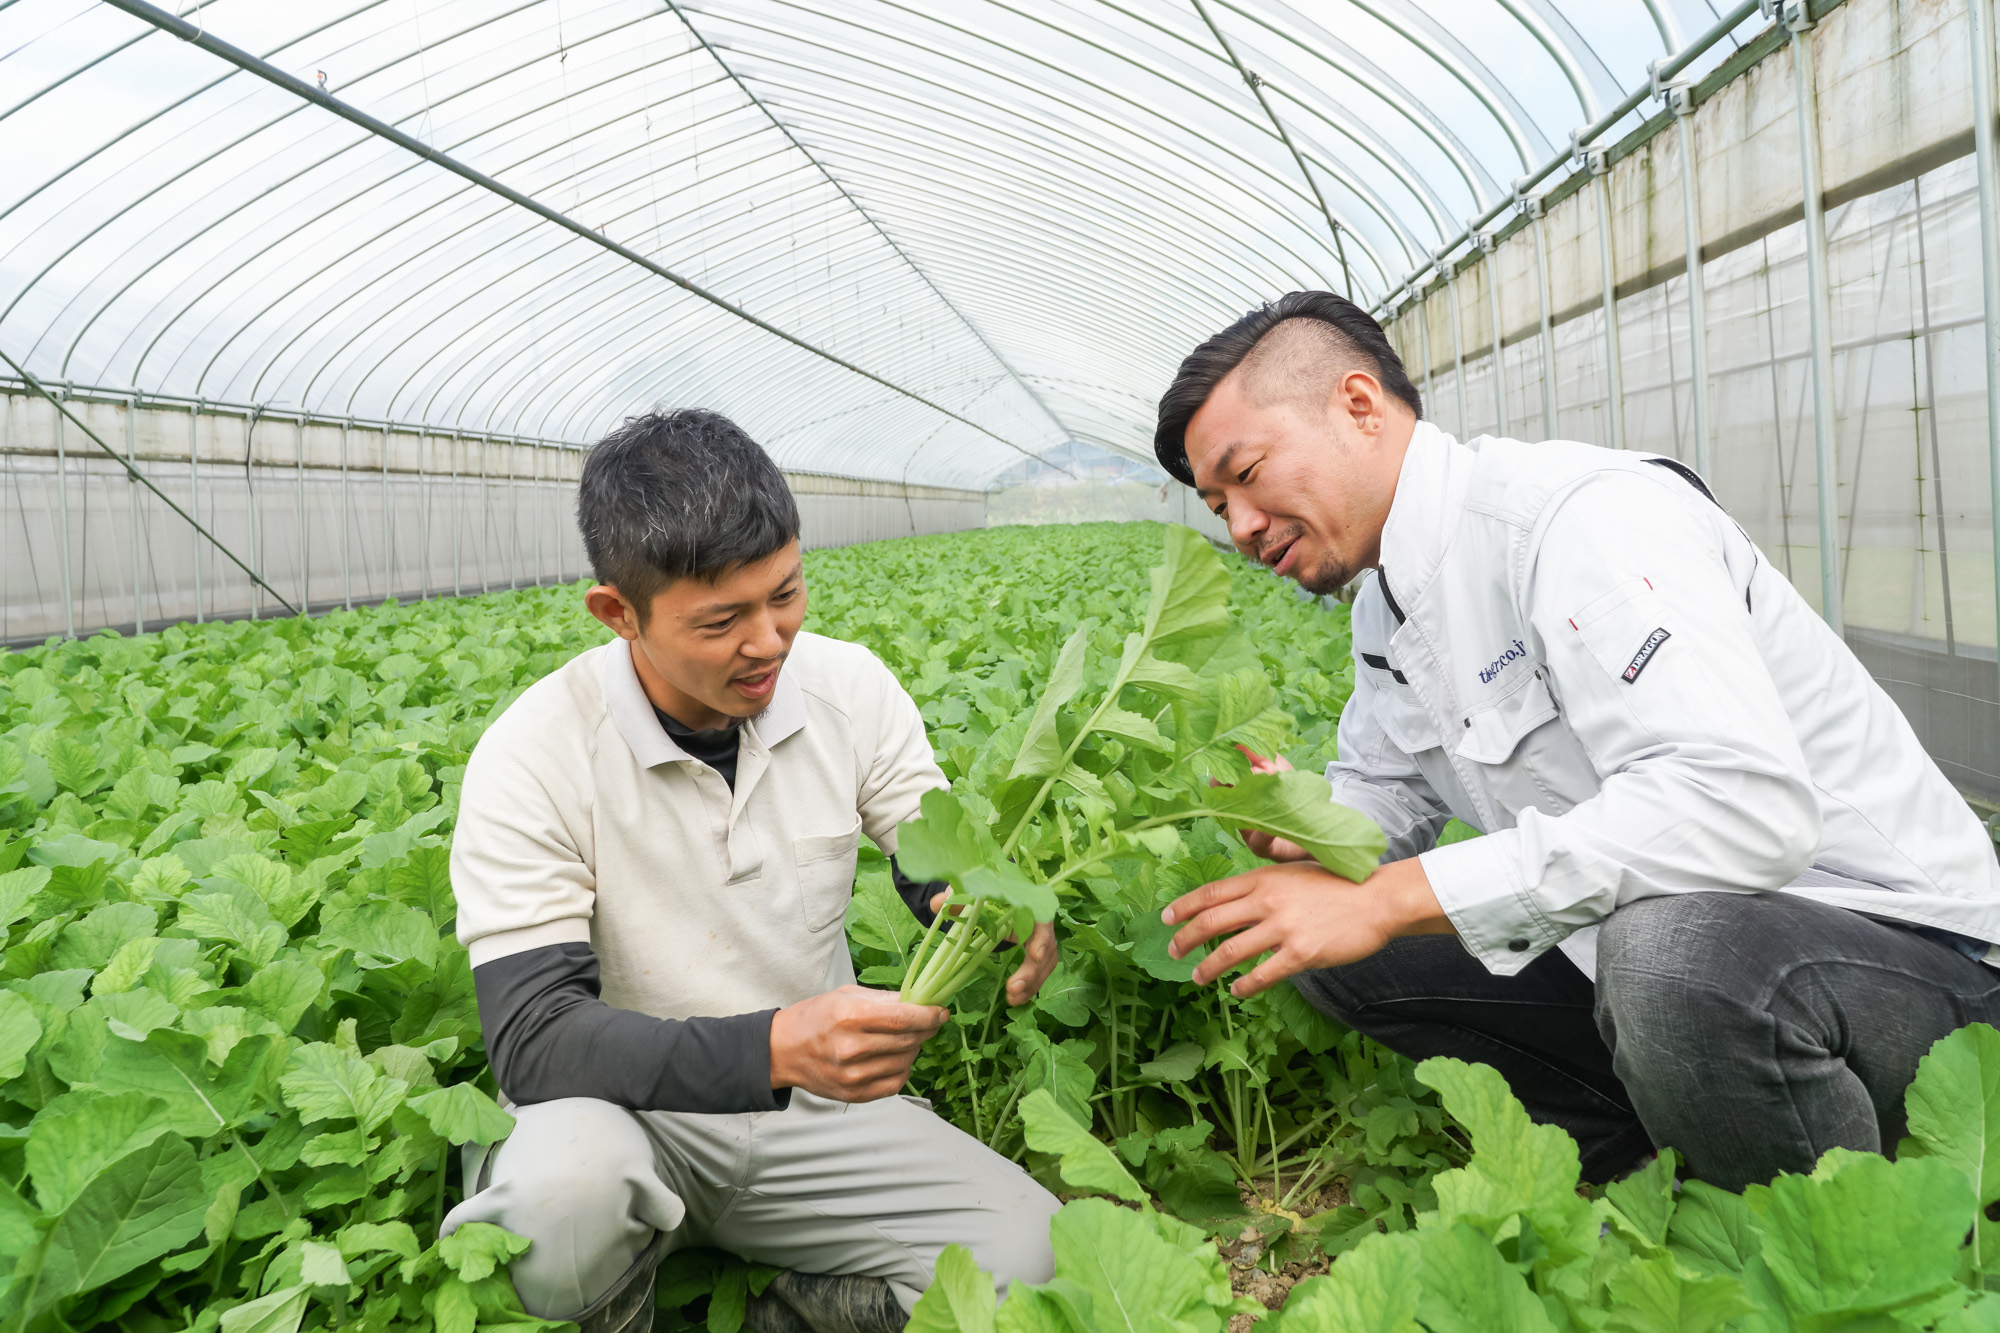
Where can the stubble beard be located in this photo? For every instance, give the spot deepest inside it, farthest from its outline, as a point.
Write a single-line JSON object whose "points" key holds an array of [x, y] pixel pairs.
{"points": [[1327, 576]]}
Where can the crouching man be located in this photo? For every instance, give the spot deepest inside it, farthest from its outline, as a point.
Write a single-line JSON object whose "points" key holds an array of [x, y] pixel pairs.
{"points": [[655, 850]]}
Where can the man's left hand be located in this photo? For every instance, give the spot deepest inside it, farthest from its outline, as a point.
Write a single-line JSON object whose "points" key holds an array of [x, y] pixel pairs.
{"points": [[1039, 960], [1304, 916]]}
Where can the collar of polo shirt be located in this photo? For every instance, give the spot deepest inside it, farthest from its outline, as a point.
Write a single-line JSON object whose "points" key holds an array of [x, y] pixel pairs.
{"points": [[632, 712]]}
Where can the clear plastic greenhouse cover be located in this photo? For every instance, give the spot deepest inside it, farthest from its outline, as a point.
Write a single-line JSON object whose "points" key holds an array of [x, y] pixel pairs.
{"points": [[983, 230]]}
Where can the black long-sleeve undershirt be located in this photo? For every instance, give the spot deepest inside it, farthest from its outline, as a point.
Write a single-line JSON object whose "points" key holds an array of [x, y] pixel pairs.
{"points": [[549, 1034]]}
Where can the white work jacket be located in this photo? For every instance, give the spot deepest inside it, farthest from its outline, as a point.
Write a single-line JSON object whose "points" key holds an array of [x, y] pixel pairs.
{"points": [[1577, 652]]}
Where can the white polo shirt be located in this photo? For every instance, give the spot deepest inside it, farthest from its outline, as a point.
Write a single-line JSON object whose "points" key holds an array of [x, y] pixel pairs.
{"points": [[582, 822]]}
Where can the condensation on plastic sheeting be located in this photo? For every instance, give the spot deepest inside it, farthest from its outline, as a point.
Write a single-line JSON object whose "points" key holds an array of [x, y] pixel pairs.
{"points": [[1915, 531], [446, 515]]}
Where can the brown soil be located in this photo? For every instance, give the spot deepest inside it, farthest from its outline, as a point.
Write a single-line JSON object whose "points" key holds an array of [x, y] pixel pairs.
{"points": [[1248, 1275]]}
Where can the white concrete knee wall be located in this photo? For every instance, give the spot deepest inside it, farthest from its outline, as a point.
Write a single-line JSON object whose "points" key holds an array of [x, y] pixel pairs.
{"points": [[328, 513]]}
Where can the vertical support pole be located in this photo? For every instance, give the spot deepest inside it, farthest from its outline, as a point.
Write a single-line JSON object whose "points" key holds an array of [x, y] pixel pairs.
{"points": [[1536, 224], [388, 575], [1446, 267], [1681, 98], [541, 565], [346, 562], [62, 528], [1489, 247], [423, 515], [1980, 30], [1614, 361], [457, 506], [485, 517], [305, 551], [1798, 18], [132, 513], [194, 494], [1424, 341], [250, 496]]}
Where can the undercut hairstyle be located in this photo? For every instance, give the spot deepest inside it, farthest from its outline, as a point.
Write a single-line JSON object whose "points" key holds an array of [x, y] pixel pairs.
{"points": [[681, 494], [1292, 349]]}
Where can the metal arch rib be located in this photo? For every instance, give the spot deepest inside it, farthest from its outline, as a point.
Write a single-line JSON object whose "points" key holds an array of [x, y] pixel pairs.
{"points": [[243, 60], [888, 240], [1257, 90]]}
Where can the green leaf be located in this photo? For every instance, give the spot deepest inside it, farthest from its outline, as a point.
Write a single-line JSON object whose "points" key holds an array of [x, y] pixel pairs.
{"points": [[1517, 1166], [1371, 1289], [19, 1031], [878, 918], [80, 1134], [1071, 995], [462, 1113], [17, 892], [1862, 1234], [1469, 1288], [280, 1312], [1643, 1203], [1954, 1113], [1177, 1064], [476, 1249], [142, 1206], [1654, 1296], [224, 917], [1133, 1276], [944, 841], [321, 1265], [284, 991], [202, 1098], [1300, 806], [381, 934], [1132, 727], [1190, 592], [1042, 747], [959, 1300], [324, 1082], [1087, 1164]]}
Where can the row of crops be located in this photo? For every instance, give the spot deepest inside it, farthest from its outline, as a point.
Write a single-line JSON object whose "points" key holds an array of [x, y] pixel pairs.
{"points": [[239, 1050]]}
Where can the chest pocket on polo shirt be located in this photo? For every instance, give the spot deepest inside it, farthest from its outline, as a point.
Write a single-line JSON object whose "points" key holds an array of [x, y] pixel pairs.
{"points": [[825, 869]]}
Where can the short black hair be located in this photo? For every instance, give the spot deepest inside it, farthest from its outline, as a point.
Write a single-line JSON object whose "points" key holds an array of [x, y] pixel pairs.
{"points": [[680, 494], [1209, 364]]}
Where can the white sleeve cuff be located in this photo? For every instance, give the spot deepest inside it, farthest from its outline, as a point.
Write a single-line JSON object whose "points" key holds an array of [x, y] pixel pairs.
{"points": [[1478, 884], [506, 943]]}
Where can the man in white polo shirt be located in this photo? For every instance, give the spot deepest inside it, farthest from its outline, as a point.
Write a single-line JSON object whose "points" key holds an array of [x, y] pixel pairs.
{"points": [[654, 853]]}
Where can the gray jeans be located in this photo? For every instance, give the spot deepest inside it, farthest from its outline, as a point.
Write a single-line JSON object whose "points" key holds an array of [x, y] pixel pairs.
{"points": [[822, 1187], [1749, 1032]]}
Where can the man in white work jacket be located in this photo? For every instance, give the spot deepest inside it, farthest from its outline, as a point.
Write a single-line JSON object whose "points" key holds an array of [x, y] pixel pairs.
{"points": [[1724, 901]]}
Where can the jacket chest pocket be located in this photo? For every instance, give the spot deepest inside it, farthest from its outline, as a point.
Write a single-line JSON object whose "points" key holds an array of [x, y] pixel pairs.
{"points": [[1526, 760], [824, 864], [1405, 721]]}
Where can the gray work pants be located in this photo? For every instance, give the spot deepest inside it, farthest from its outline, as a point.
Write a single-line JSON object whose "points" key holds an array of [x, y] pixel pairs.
{"points": [[878, 1188], [1750, 1032]]}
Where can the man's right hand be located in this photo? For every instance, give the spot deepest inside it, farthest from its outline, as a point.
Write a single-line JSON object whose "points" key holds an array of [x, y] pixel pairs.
{"points": [[851, 1044], [1269, 845]]}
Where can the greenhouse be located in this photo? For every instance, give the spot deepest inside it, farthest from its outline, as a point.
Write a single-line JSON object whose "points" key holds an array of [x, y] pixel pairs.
{"points": [[451, 449]]}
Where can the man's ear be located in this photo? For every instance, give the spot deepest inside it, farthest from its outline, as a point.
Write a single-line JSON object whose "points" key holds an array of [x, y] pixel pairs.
{"points": [[609, 605]]}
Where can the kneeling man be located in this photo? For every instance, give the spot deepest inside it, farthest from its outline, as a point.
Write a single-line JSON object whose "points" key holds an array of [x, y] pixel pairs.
{"points": [[654, 854], [1725, 902]]}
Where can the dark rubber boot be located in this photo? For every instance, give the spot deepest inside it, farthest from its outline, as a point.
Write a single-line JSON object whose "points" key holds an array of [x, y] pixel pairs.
{"points": [[628, 1306], [843, 1303]]}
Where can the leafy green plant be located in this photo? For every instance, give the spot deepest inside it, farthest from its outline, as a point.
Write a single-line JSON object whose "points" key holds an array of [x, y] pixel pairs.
{"points": [[1086, 687], [1862, 1243], [238, 1045]]}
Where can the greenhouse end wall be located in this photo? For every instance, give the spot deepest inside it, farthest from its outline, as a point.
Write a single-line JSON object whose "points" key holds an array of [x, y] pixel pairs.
{"points": [[329, 514], [1912, 520]]}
